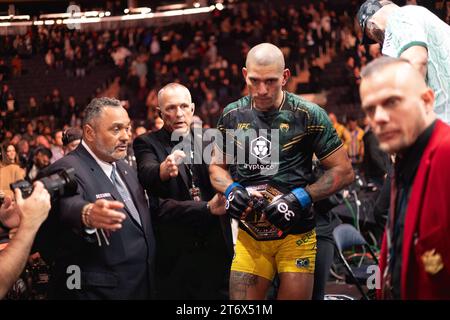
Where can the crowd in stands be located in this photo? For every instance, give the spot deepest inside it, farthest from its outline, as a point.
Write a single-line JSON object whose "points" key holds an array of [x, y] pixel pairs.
{"points": [[206, 56]]}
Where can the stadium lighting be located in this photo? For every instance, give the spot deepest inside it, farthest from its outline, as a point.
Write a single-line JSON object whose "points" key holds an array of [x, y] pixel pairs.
{"points": [[126, 11], [219, 6], [91, 13], [77, 18], [13, 17]]}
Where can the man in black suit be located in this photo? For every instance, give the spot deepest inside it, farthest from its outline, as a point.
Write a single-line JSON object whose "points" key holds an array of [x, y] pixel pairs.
{"points": [[104, 230], [194, 245]]}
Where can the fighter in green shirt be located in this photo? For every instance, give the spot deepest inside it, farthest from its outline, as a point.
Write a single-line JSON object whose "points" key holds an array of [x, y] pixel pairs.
{"points": [[271, 135]]}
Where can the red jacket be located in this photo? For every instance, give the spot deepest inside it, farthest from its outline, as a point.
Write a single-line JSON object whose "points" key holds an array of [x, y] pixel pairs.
{"points": [[426, 238]]}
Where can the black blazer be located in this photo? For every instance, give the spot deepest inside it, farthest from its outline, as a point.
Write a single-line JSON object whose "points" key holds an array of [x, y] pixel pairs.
{"points": [[122, 270], [182, 225]]}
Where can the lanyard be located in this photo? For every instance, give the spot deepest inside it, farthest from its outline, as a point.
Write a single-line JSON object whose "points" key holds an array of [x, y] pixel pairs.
{"points": [[194, 190]]}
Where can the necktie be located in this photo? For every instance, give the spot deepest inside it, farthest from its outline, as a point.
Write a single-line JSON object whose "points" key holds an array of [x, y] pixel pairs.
{"points": [[123, 191]]}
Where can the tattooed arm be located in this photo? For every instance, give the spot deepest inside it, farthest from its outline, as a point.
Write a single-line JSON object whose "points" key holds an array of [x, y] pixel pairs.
{"points": [[218, 171], [338, 174]]}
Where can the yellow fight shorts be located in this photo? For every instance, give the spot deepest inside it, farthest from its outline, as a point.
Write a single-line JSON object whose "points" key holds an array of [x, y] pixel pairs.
{"points": [[295, 253]]}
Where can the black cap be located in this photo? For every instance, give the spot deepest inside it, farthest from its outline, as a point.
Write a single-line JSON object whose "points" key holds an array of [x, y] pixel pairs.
{"points": [[45, 151], [366, 11]]}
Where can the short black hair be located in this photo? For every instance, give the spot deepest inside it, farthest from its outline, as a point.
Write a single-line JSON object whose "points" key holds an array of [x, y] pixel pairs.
{"points": [[351, 117], [45, 151]]}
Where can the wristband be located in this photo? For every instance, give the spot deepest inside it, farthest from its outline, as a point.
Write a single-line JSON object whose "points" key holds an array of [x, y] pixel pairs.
{"points": [[303, 197], [230, 187]]}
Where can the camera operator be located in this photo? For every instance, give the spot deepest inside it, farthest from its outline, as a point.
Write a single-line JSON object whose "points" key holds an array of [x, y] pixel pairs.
{"points": [[28, 215]]}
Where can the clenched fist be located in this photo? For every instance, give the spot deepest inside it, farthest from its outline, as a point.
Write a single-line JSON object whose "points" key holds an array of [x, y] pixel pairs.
{"points": [[169, 167]]}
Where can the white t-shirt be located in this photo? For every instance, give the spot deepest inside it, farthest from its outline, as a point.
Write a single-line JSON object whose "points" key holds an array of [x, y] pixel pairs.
{"points": [[416, 26]]}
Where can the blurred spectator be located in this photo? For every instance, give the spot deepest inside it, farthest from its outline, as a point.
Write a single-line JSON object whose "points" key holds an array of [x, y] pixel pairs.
{"points": [[30, 134], [57, 147], [210, 110], [49, 60], [71, 139], [23, 151], [10, 156], [41, 160], [31, 213], [80, 65], [356, 145], [197, 122], [4, 96], [71, 113], [154, 46], [139, 130], [376, 163], [42, 141], [33, 110], [341, 130], [4, 70], [16, 64], [9, 171], [119, 55]]}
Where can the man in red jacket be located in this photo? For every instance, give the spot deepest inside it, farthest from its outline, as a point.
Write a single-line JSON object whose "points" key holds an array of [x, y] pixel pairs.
{"points": [[415, 255]]}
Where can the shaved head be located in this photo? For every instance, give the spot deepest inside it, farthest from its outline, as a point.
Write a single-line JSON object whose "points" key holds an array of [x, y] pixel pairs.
{"points": [[265, 54], [170, 88], [176, 107], [402, 74], [265, 75], [397, 101]]}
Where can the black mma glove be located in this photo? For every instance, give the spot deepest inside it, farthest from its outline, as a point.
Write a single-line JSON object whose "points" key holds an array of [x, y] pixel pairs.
{"points": [[286, 211], [237, 200]]}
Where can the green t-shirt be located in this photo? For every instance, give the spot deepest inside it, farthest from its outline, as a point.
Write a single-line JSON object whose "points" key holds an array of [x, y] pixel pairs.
{"points": [[276, 146]]}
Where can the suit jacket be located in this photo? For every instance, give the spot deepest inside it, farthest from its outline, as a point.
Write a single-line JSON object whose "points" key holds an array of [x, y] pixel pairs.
{"points": [[194, 248], [122, 270], [425, 270]]}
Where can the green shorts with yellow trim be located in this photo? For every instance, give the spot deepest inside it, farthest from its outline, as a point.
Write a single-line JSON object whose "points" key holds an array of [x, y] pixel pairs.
{"points": [[295, 253]]}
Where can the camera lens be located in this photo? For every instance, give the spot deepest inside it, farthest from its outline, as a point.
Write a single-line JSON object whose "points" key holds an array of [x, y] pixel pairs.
{"points": [[61, 184]]}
